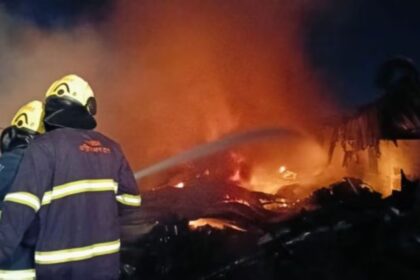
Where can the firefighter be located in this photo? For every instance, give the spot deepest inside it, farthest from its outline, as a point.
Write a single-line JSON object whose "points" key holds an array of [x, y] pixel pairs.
{"points": [[26, 124], [72, 186]]}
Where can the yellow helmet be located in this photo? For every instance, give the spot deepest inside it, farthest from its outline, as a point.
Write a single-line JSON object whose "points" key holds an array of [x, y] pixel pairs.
{"points": [[74, 88], [30, 117]]}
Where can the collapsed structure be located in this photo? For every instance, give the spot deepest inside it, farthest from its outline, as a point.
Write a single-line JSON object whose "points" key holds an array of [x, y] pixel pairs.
{"points": [[381, 138]]}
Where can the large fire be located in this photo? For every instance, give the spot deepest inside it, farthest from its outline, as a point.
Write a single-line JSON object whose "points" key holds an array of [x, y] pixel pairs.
{"points": [[192, 72], [290, 167]]}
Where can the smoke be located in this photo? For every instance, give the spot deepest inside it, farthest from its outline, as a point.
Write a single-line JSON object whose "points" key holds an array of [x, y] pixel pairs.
{"points": [[170, 75], [197, 70], [31, 59]]}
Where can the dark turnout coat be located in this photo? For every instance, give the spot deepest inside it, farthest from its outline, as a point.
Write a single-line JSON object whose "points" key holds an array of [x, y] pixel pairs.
{"points": [[9, 165], [21, 264], [71, 187]]}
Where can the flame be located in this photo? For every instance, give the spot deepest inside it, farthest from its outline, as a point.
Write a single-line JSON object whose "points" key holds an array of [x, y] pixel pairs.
{"points": [[236, 177], [214, 223], [383, 173], [197, 81], [278, 204], [229, 199], [180, 185], [296, 160], [289, 175], [282, 169]]}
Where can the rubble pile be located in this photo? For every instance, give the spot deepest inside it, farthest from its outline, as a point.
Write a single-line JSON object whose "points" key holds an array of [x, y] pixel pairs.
{"points": [[345, 231]]}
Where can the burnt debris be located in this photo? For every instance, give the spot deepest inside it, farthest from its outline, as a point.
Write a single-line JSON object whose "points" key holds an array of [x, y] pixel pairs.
{"points": [[345, 231]]}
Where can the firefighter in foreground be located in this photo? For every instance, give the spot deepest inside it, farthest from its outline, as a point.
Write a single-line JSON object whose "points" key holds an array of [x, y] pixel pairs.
{"points": [[26, 124], [72, 185]]}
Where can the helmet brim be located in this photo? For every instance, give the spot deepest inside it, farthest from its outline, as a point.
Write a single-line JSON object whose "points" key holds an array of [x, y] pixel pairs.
{"points": [[70, 118]]}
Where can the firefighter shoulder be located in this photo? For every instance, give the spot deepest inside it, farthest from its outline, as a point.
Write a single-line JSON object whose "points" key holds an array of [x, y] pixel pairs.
{"points": [[26, 124], [75, 182]]}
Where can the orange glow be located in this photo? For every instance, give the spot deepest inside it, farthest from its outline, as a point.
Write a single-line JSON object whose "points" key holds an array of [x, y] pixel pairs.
{"points": [[289, 175], [282, 169], [228, 199], [214, 223], [183, 82], [180, 185], [236, 177], [393, 158], [302, 160]]}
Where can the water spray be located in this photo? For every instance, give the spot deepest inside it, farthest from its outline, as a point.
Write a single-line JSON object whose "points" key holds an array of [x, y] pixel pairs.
{"points": [[225, 143]]}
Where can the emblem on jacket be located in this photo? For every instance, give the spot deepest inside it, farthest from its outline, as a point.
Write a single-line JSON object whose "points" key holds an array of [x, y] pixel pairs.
{"points": [[94, 146]]}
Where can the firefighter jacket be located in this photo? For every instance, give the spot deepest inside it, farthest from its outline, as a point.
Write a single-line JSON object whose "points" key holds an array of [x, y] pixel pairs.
{"points": [[20, 265], [70, 189], [9, 165]]}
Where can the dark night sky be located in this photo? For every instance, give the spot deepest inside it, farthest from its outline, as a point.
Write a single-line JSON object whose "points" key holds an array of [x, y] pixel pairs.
{"points": [[346, 42], [58, 13]]}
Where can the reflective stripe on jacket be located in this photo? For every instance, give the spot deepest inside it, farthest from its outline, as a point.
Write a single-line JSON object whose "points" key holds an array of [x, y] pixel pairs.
{"points": [[23, 274]]}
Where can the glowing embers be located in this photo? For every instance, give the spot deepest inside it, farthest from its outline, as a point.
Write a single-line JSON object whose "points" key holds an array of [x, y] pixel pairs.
{"points": [[236, 177], [180, 185], [282, 169], [276, 204], [229, 199], [270, 179], [287, 174], [219, 224]]}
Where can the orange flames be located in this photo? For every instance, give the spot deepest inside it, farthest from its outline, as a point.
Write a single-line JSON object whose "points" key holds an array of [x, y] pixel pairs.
{"points": [[189, 72], [383, 173], [228, 199], [194, 71], [256, 167], [282, 169], [180, 185], [214, 223]]}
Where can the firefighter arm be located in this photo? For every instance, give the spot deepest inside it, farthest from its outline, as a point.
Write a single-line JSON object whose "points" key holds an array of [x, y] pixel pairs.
{"points": [[24, 200], [128, 195], [8, 166], [15, 220]]}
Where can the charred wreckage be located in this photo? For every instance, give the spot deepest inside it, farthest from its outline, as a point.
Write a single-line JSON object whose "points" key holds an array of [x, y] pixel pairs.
{"points": [[210, 227]]}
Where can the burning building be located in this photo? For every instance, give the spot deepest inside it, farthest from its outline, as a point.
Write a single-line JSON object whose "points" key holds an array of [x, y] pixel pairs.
{"points": [[382, 138], [227, 214], [272, 194]]}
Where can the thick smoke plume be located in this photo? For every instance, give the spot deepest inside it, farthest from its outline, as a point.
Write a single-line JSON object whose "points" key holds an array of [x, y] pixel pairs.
{"points": [[169, 75], [192, 71]]}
